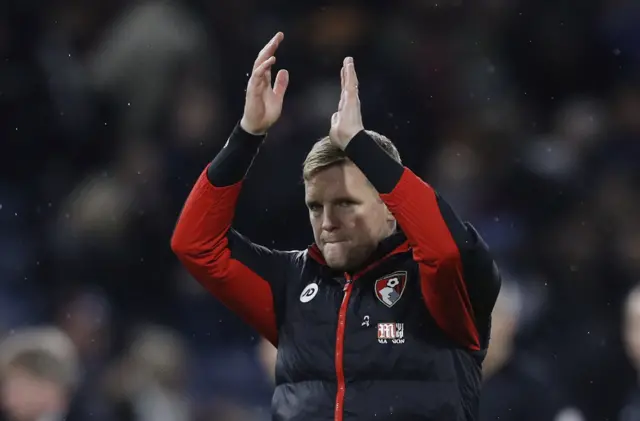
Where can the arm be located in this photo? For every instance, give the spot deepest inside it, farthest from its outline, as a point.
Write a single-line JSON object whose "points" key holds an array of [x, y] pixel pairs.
{"points": [[247, 278], [459, 279]]}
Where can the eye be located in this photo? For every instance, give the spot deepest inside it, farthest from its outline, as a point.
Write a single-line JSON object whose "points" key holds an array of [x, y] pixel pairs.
{"points": [[345, 203], [314, 207]]}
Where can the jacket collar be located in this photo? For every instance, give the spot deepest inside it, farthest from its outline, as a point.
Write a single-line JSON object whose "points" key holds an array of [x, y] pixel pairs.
{"points": [[394, 244]]}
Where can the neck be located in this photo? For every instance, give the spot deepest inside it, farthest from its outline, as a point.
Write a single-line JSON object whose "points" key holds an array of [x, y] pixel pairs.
{"points": [[386, 246]]}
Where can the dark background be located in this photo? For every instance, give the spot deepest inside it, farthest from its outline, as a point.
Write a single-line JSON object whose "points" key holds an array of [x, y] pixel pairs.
{"points": [[525, 114]]}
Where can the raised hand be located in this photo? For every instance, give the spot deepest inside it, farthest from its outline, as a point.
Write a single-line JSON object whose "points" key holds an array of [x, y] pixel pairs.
{"points": [[347, 122], [263, 103]]}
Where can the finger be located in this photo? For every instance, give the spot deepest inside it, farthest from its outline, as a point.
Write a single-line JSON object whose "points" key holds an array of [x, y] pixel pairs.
{"points": [[281, 83], [257, 79], [265, 67], [343, 98], [342, 78], [351, 79], [267, 77], [268, 50], [355, 76]]}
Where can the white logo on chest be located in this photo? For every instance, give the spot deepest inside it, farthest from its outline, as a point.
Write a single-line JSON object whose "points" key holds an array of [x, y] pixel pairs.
{"points": [[309, 292], [391, 332], [389, 289]]}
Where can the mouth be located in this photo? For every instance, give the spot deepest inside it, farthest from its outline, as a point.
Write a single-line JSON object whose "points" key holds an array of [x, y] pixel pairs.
{"points": [[333, 241]]}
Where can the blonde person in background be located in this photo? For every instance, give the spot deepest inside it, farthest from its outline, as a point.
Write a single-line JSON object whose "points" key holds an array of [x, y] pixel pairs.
{"points": [[631, 339], [39, 374]]}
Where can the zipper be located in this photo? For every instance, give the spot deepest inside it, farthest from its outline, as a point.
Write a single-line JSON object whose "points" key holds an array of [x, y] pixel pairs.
{"points": [[342, 320], [342, 324]]}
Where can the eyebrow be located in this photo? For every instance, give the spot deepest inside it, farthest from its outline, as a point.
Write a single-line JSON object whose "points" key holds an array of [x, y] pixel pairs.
{"points": [[334, 200], [310, 203]]}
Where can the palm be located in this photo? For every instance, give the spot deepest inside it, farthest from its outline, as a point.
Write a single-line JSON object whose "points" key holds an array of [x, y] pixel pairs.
{"points": [[263, 103], [347, 121], [270, 106]]}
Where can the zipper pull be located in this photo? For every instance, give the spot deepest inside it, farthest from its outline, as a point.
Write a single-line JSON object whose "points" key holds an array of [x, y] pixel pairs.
{"points": [[348, 281]]}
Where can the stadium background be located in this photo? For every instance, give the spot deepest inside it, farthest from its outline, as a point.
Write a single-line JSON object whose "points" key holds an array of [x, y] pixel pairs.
{"points": [[524, 114]]}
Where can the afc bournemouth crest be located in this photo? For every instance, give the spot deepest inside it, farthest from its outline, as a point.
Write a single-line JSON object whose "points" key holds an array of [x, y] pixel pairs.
{"points": [[389, 289]]}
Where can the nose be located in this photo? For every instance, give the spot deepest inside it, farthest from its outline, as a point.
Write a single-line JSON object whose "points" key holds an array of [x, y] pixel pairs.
{"points": [[329, 221]]}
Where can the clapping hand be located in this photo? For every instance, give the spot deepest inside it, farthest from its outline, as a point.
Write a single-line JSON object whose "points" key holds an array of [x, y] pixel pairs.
{"points": [[347, 121], [263, 103]]}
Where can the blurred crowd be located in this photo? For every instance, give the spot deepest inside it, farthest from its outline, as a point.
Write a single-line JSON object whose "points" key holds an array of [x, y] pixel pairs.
{"points": [[525, 114]]}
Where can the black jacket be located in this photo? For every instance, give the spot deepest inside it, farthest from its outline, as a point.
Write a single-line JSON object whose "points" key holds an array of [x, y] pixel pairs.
{"points": [[402, 339]]}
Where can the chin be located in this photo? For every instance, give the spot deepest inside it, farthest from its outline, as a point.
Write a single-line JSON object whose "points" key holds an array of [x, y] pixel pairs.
{"points": [[340, 257], [336, 255], [338, 265]]}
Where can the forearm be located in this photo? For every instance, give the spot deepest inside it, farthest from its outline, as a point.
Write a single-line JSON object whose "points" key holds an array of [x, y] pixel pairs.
{"points": [[228, 266], [232, 163], [376, 164], [209, 210]]}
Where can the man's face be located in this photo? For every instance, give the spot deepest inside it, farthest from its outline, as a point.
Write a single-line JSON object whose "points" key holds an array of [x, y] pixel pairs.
{"points": [[347, 216], [25, 397]]}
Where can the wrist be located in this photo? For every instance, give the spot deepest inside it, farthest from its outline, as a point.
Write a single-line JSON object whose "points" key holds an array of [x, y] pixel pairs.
{"points": [[349, 138], [250, 130], [380, 168]]}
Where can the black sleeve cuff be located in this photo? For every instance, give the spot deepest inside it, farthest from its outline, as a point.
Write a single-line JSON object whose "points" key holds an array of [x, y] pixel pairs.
{"points": [[377, 165], [234, 160]]}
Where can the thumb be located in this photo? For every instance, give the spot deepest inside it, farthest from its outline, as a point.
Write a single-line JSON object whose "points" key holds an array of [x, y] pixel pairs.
{"points": [[281, 83], [334, 119]]}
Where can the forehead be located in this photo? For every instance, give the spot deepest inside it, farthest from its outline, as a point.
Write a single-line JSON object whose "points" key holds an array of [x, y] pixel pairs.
{"points": [[344, 179]]}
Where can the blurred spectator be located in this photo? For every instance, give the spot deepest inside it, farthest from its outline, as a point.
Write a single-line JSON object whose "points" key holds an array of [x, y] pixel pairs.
{"points": [[631, 334], [149, 382], [40, 373], [518, 386]]}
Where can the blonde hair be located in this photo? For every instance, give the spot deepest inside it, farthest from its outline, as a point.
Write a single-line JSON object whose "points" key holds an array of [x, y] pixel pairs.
{"points": [[325, 154], [46, 352]]}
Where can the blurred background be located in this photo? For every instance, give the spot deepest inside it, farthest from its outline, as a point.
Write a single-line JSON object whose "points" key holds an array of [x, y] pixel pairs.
{"points": [[525, 114]]}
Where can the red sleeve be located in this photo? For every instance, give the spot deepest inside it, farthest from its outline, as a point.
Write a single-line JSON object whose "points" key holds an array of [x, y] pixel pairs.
{"points": [[238, 273], [458, 277], [413, 202]]}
